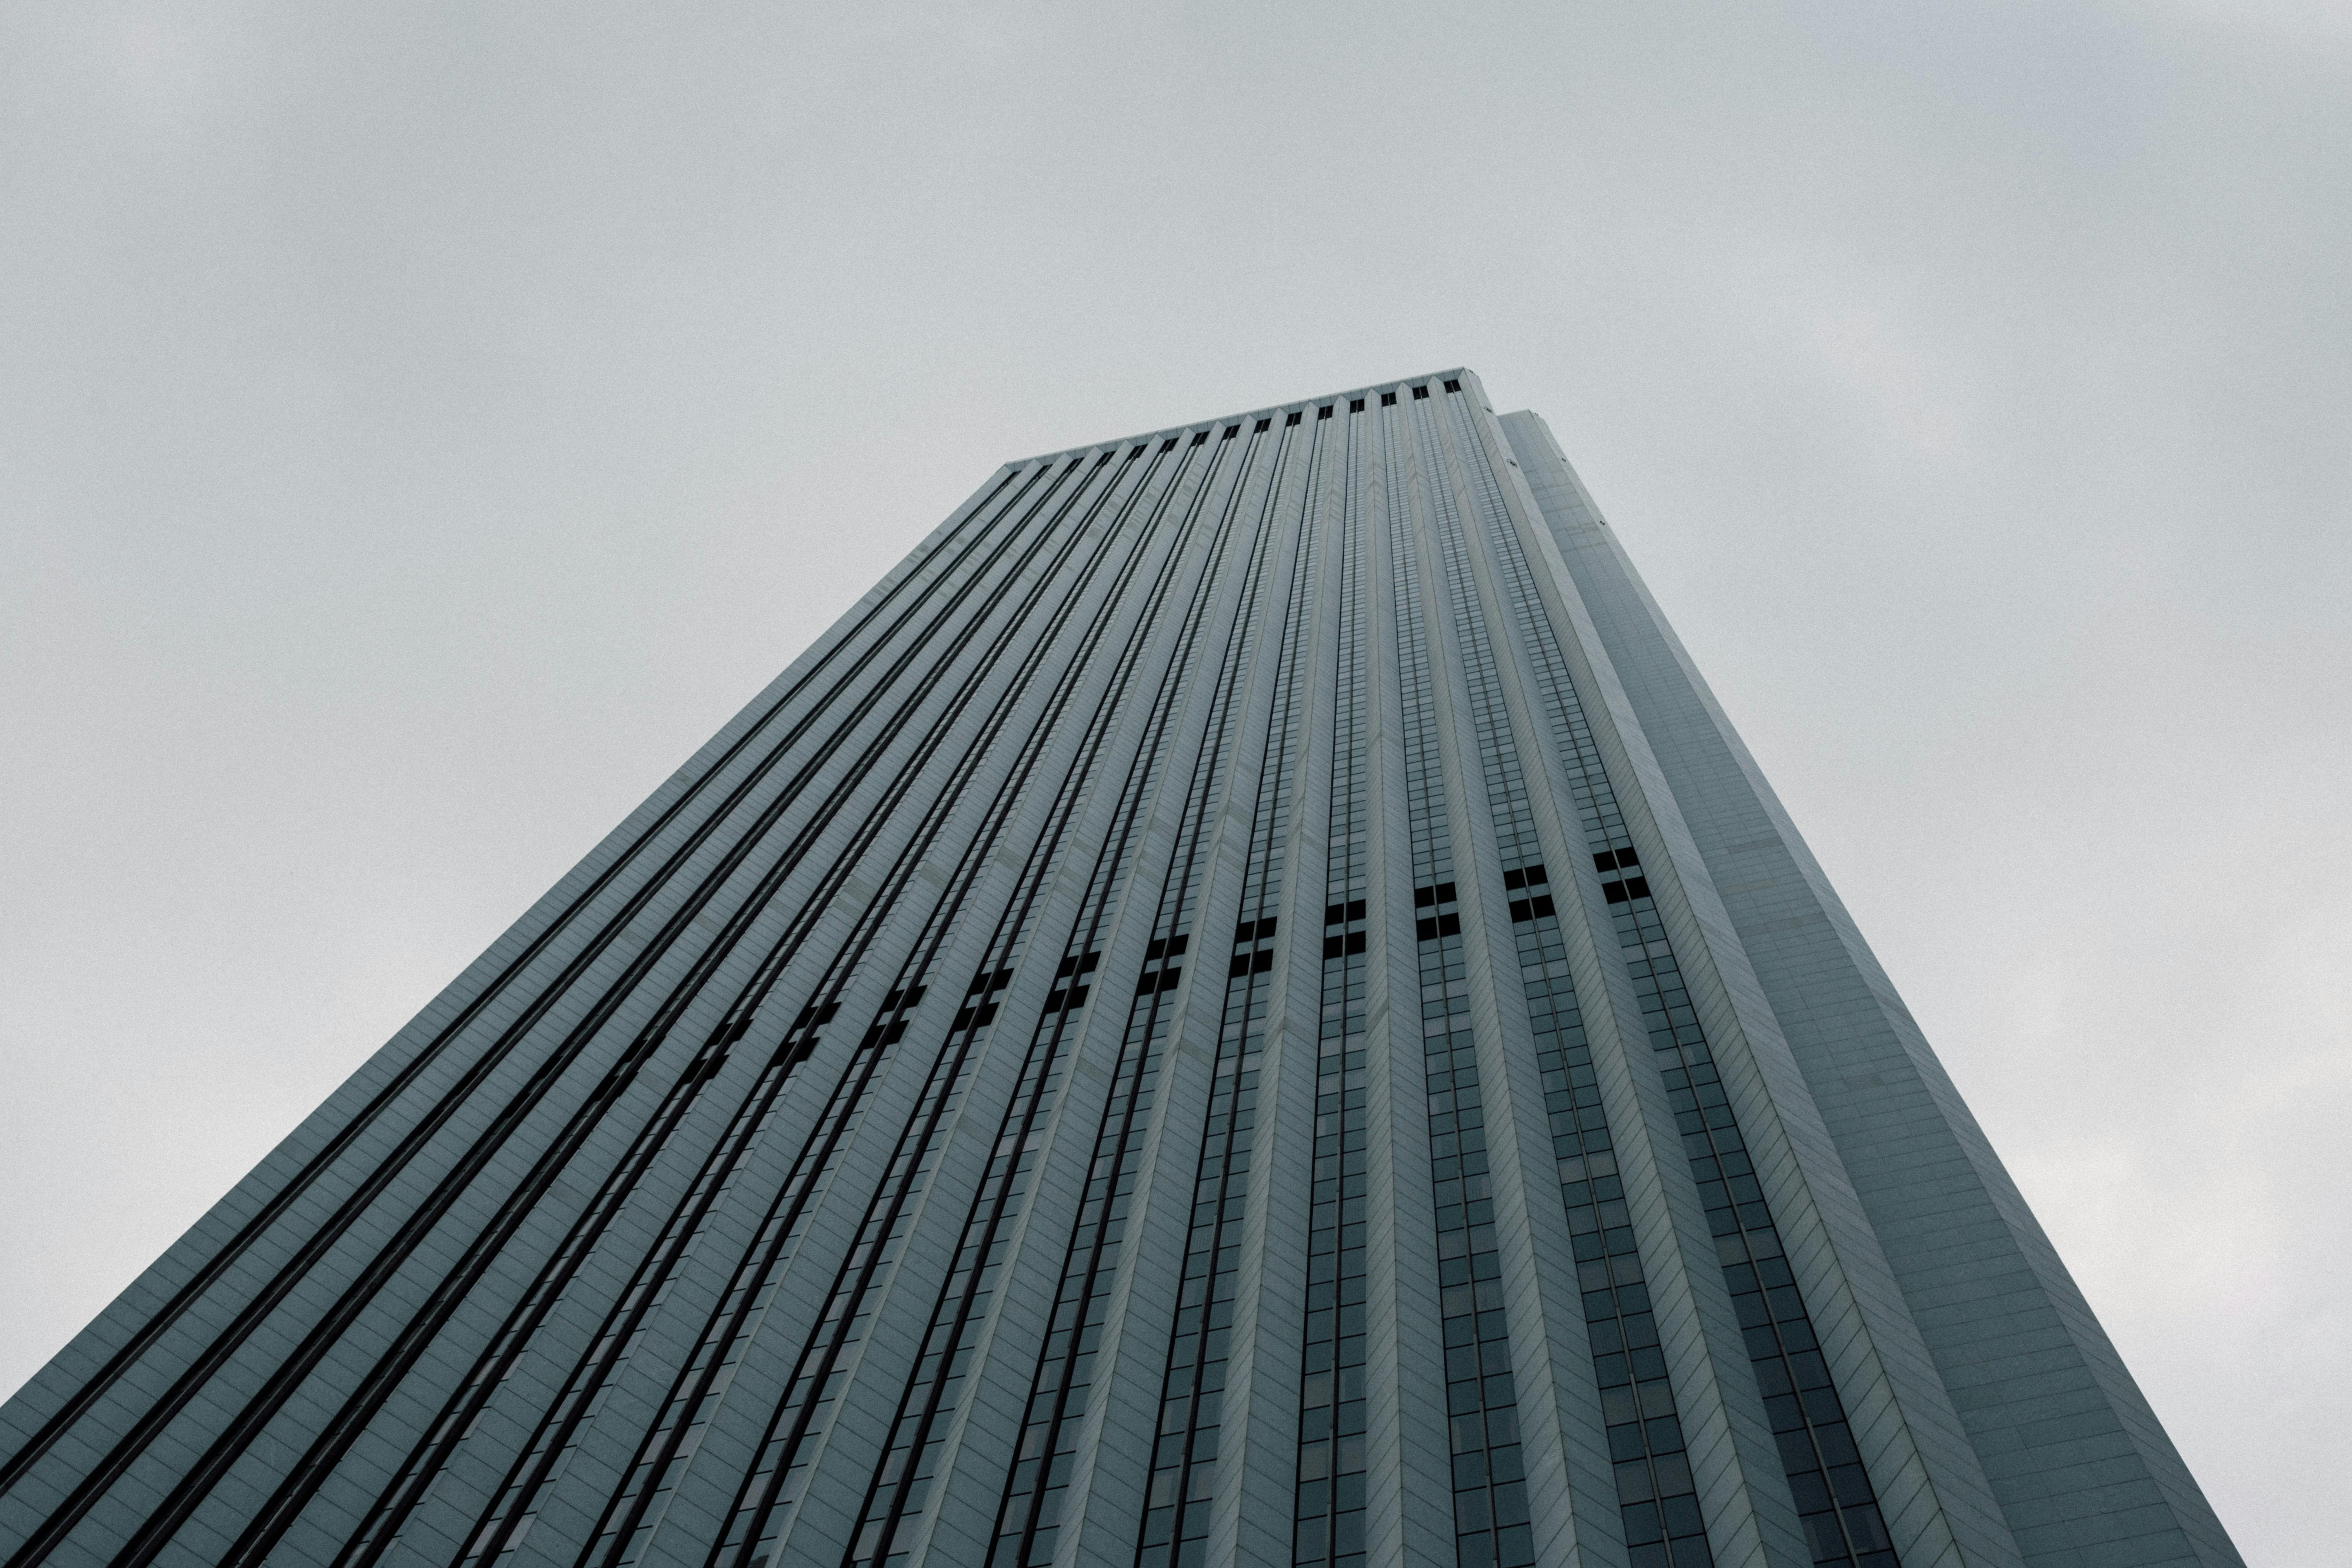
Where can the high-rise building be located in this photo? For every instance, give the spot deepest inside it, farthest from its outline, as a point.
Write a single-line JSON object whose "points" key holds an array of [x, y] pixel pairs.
{"points": [[1245, 1005]]}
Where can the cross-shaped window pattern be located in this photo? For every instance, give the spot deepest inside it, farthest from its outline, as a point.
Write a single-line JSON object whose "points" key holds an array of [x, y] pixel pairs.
{"points": [[1490, 1494], [1327, 1522], [1657, 1498], [1028, 1521], [1186, 1450], [1826, 1479]]}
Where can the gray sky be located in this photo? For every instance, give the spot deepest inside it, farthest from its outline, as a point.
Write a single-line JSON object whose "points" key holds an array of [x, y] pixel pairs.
{"points": [[421, 426]]}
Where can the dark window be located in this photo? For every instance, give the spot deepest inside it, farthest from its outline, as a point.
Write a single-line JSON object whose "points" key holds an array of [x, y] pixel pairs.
{"points": [[1169, 445], [1333, 946], [1388, 399], [1101, 460], [1419, 393], [1232, 431], [1262, 426], [1637, 887], [1324, 411], [1355, 941], [1241, 963], [1073, 468], [1355, 405], [1289, 422], [1200, 439], [1453, 386]]}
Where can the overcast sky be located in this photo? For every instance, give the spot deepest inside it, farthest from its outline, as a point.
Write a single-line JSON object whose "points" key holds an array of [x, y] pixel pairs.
{"points": [[420, 426]]}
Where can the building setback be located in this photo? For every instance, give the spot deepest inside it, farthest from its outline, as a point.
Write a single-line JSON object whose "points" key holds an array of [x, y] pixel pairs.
{"points": [[1244, 1006]]}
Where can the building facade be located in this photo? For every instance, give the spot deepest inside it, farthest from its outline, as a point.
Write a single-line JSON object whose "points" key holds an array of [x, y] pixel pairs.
{"points": [[1245, 1005]]}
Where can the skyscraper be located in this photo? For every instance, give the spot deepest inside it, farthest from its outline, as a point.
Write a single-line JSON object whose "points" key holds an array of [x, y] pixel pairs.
{"points": [[1245, 1005]]}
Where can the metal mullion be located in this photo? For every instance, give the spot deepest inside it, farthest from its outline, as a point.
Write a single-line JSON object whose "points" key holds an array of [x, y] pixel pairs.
{"points": [[1346, 819], [1044, 862], [1624, 1154], [1138, 1061], [1249, 505], [772, 1489], [1494, 722], [876, 915], [904, 1191], [1684, 1046], [934, 816], [1091, 918], [223, 1343], [1276, 750], [754, 1301], [213, 1269], [1470, 1306], [278, 1385], [276, 1517]]}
